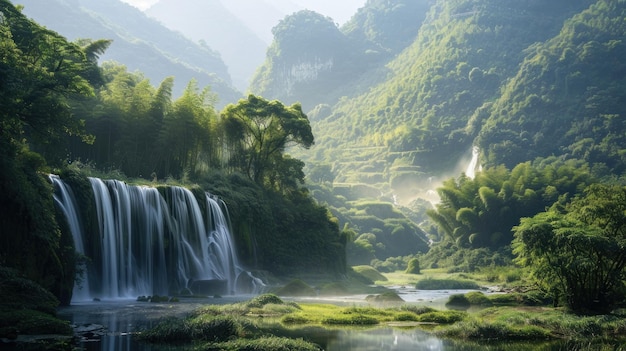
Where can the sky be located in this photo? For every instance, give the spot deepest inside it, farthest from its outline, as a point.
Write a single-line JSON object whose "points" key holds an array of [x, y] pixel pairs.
{"points": [[339, 10]]}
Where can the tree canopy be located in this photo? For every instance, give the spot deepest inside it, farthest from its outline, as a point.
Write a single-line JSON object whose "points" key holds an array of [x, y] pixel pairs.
{"points": [[258, 131], [578, 249]]}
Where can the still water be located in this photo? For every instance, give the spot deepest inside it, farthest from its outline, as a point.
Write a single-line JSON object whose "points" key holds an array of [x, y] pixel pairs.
{"points": [[121, 318]]}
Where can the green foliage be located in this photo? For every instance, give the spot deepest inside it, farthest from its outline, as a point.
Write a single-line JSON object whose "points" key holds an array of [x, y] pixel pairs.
{"points": [[419, 110], [351, 319], [257, 132], [442, 317], [458, 301], [480, 212], [413, 267], [264, 299], [27, 308], [577, 250], [564, 99], [477, 298]]}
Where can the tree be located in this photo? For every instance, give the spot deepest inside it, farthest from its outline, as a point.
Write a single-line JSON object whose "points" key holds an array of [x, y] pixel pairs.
{"points": [[578, 250], [257, 133]]}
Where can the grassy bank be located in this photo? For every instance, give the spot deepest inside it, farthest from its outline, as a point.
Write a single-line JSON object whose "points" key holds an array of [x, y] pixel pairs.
{"points": [[263, 321]]}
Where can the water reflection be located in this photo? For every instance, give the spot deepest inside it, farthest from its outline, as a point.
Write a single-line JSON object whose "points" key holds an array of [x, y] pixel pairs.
{"points": [[385, 339]]}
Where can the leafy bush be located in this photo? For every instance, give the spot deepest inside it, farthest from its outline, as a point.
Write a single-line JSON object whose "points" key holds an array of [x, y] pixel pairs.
{"points": [[413, 267], [442, 317], [406, 317], [263, 300], [459, 301], [477, 298]]}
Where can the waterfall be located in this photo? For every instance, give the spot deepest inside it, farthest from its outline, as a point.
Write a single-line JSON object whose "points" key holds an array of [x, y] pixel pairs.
{"points": [[148, 241], [473, 166], [66, 202]]}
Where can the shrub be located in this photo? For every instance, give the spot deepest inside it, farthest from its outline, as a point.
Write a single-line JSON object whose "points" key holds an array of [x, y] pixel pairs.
{"points": [[477, 298], [262, 300], [32, 322], [459, 301], [406, 317], [413, 267], [442, 317], [417, 309], [294, 319]]}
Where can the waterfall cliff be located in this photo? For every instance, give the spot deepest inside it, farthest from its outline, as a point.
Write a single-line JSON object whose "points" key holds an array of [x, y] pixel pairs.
{"points": [[148, 241]]}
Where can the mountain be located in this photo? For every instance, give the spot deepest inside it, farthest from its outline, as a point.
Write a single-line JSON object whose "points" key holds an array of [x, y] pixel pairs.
{"points": [[567, 98], [139, 42], [210, 21], [314, 62], [425, 106]]}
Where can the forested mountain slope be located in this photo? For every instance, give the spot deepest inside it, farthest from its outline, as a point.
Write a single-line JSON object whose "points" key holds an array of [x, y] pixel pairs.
{"points": [[420, 120], [314, 62], [139, 42], [567, 98]]}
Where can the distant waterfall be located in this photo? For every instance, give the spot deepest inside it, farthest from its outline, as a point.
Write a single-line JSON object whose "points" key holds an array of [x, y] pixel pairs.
{"points": [[473, 166], [149, 241]]}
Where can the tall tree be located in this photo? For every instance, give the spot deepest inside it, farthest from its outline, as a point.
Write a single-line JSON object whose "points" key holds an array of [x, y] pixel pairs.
{"points": [[579, 250], [258, 131]]}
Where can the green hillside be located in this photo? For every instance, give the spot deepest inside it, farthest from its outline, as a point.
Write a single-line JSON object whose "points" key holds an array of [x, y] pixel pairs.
{"points": [[139, 42], [314, 62], [567, 98], [408, 122]]}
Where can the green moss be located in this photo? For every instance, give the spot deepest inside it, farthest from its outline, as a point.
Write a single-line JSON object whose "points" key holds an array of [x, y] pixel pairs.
{"points": [[271, 343], [357, 319], [263, 300], [30, 322]]}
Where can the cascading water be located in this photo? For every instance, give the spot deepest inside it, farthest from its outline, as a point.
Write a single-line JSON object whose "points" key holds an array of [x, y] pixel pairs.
{"points": [[473, 166], [66, 202], [146, 241]]}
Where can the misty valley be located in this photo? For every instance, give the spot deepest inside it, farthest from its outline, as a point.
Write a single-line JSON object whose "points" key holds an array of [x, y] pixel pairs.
{"points": [[232, 175]]}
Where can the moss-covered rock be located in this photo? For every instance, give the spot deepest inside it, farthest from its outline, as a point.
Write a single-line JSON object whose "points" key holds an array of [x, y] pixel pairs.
{"points": [[370, 273]]}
